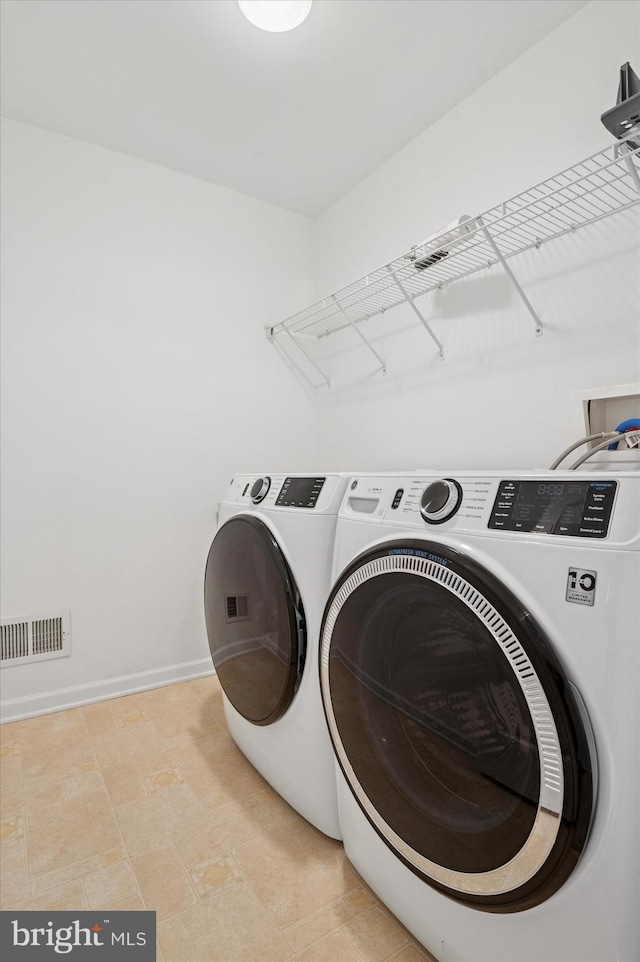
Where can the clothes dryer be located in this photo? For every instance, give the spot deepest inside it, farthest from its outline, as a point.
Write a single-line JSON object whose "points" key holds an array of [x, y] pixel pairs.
{"points": [[266, 582], [480, 674]]}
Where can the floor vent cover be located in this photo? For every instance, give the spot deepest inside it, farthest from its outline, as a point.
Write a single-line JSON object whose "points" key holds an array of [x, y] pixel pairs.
{"points": [[23, 640]]}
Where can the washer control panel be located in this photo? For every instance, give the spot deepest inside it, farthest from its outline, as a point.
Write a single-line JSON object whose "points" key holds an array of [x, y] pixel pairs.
{"points": [[576, 509]]}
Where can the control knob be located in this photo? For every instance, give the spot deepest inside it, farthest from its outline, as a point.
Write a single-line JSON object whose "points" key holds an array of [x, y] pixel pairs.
{"points": [[259, 489], [440, 500]]}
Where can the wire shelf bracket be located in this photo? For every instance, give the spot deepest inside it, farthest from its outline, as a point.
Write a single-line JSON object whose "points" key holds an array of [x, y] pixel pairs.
{"points": [[600, 186], [512, 277], [383, 366], [295, 339], [410, 301]]}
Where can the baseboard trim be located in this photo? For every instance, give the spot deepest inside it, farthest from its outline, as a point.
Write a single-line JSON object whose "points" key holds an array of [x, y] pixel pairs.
{"points": [[15, 709]]}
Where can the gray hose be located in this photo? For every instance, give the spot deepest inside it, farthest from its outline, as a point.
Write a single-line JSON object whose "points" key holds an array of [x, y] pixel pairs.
{"points": [[604, 444], [576, 444]]}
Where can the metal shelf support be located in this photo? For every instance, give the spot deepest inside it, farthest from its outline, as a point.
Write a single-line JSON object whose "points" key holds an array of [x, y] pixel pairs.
{"points": [[383, 366], [511, 275], [410, 301], [627, 153], [325, 380]]}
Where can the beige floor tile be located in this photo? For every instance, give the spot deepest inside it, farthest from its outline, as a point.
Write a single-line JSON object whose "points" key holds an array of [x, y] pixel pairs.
{"points": [[123, 783], [319, 925], [205, 688], [273, 812], [68, 723], [221, 813], [218, 839], [195, 744], [31, 727], [67, 898], [112, 857], [411, 953], [54, 880], [132, 903], [11, 733], [149, 759], [212, 877], [14, 881], [222, 779], [159, 818], [212, 741], [99, 718], [176, 718], [230, 927], [110, 884], [376, 935], [163, 882], [332, 948], [233, 872], [56, 752], [11, 773], [19, 803], [360, 899], [113, 748], [84, 783], [163, 778], [69, 831], [12, 829], [294, 872]]}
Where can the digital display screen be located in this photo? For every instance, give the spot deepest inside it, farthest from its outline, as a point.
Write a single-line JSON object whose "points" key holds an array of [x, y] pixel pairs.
{"points": [[572, 508], [300, 492]]}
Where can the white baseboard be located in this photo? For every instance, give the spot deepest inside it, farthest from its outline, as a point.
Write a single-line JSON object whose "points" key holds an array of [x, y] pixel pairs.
{"points": [[14, 709]]}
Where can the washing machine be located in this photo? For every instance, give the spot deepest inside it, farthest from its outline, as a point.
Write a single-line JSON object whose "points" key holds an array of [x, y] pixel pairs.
{"points": [[480, 666], [266, 582]]}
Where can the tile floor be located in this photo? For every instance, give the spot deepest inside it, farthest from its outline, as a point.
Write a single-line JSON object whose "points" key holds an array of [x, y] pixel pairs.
{"points": [[145, 802]]}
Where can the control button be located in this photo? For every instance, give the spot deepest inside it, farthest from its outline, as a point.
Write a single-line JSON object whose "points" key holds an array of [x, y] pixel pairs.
{"points": [[259, 489], [440, 500], [397, 498]]}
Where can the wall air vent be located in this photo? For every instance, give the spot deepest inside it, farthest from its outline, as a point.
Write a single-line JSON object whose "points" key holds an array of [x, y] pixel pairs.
{"points": [[23, 640], [237, 607]]}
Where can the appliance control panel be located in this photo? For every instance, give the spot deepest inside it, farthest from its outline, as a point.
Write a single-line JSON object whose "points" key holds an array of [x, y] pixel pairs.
{"points": [[300, 492], [575, 509], [590, 506]]}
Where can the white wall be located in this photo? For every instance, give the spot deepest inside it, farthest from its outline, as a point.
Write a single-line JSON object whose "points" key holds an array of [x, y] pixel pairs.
{"points": [[137, 377], [136, 380], [502, 396]]}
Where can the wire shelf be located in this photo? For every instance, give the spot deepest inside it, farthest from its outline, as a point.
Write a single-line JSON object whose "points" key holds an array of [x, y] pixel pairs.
{"points": [[604, 184]]}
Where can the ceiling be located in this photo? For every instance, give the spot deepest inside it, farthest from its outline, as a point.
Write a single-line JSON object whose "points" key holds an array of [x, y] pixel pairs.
{"points": [[296, 119]]}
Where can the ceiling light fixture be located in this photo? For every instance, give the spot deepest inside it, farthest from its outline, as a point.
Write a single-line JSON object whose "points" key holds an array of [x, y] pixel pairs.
{"points": [[275, 15]]}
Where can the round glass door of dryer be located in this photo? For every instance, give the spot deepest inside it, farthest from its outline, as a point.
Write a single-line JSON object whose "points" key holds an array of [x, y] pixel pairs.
{"points": [[454, 726], [255, 620]]}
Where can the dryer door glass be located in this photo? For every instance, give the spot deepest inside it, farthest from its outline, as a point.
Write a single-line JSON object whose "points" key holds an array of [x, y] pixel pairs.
{"points": [[255, 620], [451, 721]]}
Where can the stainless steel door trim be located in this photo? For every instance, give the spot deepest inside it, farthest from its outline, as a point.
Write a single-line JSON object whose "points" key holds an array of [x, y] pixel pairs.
{"points": [[542, 837]]}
